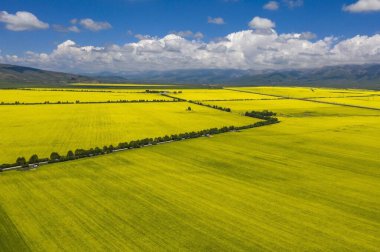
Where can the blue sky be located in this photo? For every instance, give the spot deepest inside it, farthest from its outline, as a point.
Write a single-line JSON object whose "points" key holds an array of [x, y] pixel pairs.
{"points": [[124, 21]]}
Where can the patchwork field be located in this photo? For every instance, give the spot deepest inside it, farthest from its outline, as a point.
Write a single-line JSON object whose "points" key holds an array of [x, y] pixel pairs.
{"points": [[298, 92], [309, 183], [290, 108], [42, 129], [217, 94], [121, 85], [368, 101], [41, 96]]}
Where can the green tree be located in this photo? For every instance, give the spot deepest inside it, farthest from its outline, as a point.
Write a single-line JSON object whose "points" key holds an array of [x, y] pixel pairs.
{"points": [[21, 161], [70, 155], [33, 159], [111, 148], [54, 156], [105, 149]]}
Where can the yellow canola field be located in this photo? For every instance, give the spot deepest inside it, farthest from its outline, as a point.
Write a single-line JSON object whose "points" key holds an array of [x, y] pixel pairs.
{"points": [[53, 96], [217, 94], [308, 92], [41, 129]]}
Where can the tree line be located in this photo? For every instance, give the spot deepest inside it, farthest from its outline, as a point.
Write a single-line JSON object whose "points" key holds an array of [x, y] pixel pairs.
{"points": [[264, 115], [247, 99], [211, 106], [161, 91], [89, 102], [173, 97], [65, 90]]}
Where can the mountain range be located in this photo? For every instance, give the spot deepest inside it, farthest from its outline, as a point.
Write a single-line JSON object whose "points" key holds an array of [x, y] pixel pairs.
{"points": [[343, 76], [19, 76]]}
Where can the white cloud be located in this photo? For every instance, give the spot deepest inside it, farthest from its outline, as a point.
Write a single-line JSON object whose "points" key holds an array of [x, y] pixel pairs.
{"points": [[61, 28], [240, 50], [92, 25], [21, 21], [271, 5], [293, 3], [144, 37], [261, 23], [363, 6], [189, 34], [74, 21], [216, 20], [308, 35]]}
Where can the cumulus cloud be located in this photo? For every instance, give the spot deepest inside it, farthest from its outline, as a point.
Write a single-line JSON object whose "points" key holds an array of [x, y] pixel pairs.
{"points": [[216, 20], [363, 6], [143, 37], [246, 49], [261, 23], [308, 35], [271, 5], [189, 34], [92, 25], [21, 21]]}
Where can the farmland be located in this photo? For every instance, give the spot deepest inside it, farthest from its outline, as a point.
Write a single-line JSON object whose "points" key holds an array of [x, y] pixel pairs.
{"points": [[297, 92], [308, 183], [218, 94], [366, 101], [69, 95], [127, 85], [42, 129]]}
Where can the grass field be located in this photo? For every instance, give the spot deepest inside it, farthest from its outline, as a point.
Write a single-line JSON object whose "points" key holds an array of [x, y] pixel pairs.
{"points": [[41, 129], [309, 183], [41, 96]]}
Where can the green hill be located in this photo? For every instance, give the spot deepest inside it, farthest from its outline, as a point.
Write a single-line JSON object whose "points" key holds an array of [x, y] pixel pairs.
{"points": [[18, 76]]}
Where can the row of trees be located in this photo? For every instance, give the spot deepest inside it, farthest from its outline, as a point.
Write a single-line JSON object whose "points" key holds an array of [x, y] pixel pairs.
{"points": [[161, 91], [149, 91], [22, 162], [66, 90], [88, 102], [211, 106], [173, 97], [264, 115], [130, 101], [82, 153], [247, 99]]}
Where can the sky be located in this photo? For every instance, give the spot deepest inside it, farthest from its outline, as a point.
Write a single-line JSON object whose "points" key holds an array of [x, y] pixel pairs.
{"points": [[90, 36]]}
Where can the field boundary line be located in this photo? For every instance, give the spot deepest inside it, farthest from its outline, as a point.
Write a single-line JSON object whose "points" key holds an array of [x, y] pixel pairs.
{"points": [[307, 99]]}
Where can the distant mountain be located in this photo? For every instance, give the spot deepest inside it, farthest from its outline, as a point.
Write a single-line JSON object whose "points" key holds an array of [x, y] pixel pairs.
{"points": [[196, 76], [19, 76], [345, 76]]}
